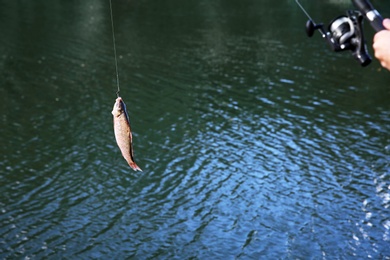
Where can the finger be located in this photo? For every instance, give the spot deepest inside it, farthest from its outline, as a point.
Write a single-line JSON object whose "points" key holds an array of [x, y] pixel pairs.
{"points": [[386, 23]]}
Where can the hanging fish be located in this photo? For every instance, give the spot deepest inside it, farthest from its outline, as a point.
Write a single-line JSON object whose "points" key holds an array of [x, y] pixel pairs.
{"points": [[123, 132]]}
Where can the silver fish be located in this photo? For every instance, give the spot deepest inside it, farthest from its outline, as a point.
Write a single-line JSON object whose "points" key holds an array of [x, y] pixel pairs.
{"points": [[122, 132]]}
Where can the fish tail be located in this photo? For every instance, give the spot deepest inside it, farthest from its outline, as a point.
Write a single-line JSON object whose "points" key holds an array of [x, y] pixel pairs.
{"points": [[134, 166]]}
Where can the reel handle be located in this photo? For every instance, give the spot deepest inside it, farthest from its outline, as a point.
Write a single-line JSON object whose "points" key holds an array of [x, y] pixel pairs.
{"points": [[373, 16], [311, 27]]}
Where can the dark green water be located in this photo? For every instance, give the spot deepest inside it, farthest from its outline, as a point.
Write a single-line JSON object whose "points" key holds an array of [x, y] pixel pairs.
{"points": [[255, 141]]}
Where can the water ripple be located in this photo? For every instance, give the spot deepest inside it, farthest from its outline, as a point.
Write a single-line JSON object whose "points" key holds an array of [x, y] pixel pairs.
{"points": [[249, 149]]}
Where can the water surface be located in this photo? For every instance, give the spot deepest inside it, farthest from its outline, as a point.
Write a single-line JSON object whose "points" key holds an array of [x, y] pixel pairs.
{"points": [[255, 141]]}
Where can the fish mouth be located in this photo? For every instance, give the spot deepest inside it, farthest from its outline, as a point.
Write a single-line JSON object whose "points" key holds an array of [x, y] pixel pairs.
{"points": [[117, 109], [120, 105], [118, 102]]}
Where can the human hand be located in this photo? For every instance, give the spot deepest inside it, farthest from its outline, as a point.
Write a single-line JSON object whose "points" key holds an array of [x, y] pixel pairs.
{"points": [[381, 45]]}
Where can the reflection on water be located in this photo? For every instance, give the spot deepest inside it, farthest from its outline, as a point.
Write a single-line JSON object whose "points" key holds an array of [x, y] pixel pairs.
{"points": [[254, 140]]}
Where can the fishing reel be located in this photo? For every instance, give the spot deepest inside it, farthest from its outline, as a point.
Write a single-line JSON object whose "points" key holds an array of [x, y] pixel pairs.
{"points": [[346, 31]]}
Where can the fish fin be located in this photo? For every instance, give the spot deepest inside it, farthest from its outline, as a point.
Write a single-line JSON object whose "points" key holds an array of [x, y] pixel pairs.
{"points": [[134, 166]]}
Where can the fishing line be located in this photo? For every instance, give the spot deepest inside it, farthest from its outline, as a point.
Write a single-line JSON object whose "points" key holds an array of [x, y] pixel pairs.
{"points": [[113, 41], [303, 9]]}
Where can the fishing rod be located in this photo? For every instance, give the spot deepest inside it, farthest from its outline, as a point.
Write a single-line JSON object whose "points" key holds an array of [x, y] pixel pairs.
{"points": [[371, 14], [345, 32]]}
